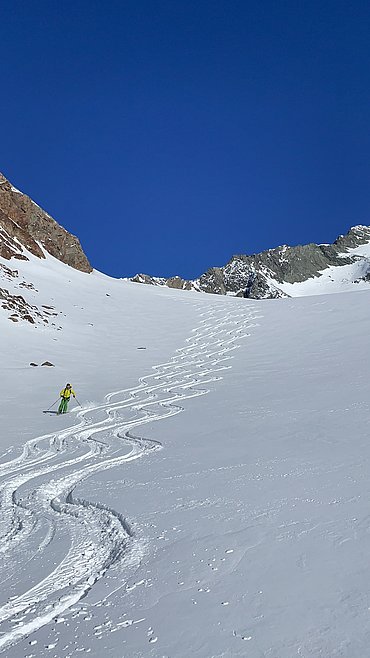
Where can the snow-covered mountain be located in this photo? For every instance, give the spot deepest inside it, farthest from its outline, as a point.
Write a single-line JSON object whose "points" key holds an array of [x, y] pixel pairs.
{"points": [[275, 273], [286, 271], [210, 495]]}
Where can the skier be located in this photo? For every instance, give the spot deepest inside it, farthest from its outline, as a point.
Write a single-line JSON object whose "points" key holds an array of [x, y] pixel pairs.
{"points": [[65, 394]]}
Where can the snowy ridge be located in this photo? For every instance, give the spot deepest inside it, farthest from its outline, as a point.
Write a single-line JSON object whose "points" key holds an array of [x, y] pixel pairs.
{"points": [[286, 271], [37, 487]]}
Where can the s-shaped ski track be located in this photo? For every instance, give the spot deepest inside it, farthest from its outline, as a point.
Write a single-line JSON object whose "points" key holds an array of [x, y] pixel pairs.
{"points": [[38, 504]]}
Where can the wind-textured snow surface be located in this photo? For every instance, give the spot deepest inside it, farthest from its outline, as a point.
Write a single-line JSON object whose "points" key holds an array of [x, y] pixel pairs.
{"points": [[211, 496]]}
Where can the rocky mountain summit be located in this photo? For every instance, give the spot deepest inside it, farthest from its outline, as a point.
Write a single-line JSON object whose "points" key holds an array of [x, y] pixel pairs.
{"points": [[284, 271], [266, 275], [24, 225], [27, 229]]}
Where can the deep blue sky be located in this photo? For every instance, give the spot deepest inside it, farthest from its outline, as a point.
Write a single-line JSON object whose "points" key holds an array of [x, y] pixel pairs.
{"points": [[169, 135]]}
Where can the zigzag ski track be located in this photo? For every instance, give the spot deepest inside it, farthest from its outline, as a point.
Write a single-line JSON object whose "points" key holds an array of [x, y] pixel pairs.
{"points": [[37, 499]]}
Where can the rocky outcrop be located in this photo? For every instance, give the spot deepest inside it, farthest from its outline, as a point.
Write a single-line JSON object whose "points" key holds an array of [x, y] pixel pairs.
{"points": [[173, 282], [19, 309], [259, 276], [24, 225], [356, 236]]}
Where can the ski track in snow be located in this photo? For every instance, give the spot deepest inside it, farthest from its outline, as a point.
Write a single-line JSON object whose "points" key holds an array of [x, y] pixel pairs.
{"points": [[37, 488]]}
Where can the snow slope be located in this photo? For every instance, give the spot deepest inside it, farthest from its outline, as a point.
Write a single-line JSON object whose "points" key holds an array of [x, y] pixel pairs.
{"points": [[211, 496], [333, 279]]}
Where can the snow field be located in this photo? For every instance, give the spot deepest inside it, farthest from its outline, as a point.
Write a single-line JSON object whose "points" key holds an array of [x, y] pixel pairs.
{"points": [[101, 536], [214, 505]]}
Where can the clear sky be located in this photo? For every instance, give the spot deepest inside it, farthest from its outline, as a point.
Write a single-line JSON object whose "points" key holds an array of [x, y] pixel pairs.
{"points": [[169, 135]]}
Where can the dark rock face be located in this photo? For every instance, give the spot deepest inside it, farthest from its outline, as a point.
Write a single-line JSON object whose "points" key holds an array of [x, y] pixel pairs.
{"points": [[178, 283], [24, 224], [213, 281], [258, 276]]}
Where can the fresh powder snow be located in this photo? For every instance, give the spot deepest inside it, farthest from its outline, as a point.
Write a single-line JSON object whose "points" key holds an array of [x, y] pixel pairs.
{"points": [[210, 496]]}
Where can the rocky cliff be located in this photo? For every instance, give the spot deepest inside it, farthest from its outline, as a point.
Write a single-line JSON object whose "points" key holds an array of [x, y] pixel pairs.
{"points": [[24, 225], [264, 275]]}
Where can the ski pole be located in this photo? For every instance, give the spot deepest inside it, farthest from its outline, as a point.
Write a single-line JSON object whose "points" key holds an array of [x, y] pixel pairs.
{"points": [[78, 402], [53, 404]]}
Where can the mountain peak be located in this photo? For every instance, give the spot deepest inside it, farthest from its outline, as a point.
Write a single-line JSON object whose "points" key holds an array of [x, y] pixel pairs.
{"points": [[286, 271], [26, 226]]}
